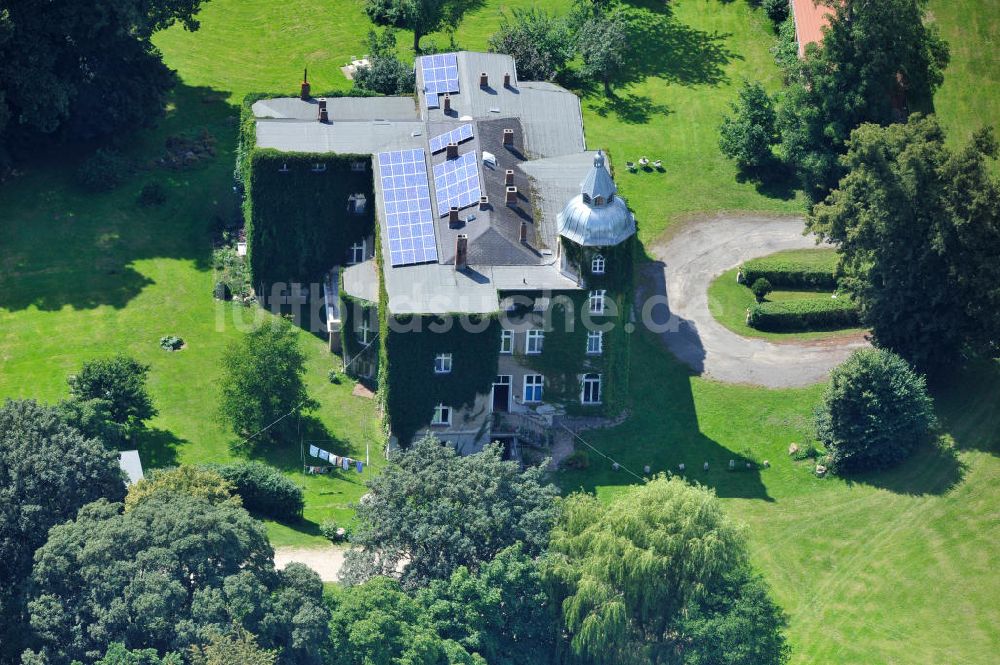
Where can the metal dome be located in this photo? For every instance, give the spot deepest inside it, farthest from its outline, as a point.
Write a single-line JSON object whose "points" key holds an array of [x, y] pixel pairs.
{"points": [[597, 216]]}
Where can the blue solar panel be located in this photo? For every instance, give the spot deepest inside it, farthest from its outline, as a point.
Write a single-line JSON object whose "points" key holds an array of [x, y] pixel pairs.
{"points": [[440, 74], [408, 218], [439, 143], [456, 183]]}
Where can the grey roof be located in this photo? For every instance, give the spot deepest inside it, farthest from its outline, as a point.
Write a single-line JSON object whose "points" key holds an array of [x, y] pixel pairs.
{"points": [[597, 216], [435, 288], [342, 137], [554, 181], [339, 108], [130, 463], [361, 281]]}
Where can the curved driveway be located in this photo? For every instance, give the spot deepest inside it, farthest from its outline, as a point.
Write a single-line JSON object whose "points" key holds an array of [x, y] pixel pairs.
{"points": [[687, 263]]}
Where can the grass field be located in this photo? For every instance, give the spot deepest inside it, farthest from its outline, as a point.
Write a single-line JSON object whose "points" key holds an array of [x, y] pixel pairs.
{"points": [[893, 569]]}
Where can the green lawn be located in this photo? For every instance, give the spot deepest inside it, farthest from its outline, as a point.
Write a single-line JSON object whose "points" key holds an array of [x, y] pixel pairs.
{"points": [[898, 568]]}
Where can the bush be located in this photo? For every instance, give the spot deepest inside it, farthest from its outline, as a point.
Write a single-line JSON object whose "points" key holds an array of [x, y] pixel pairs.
{"points": [[796, 315], [333, 532], [790, 272], [171, 343], [776, 10], [760, 288], [104, 170], [152, 194], [232, 271], [874, 411], [263, 489], [579, 459]]}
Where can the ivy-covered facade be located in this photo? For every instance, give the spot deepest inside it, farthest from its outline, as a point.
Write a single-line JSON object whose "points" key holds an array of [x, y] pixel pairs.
{"points": [[491, 294]]}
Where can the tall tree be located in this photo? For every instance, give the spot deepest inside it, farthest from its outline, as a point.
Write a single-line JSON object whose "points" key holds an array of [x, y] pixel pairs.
{"points": [[87, 68], [628, 573], [917, 226], [877, 61], [48, 470], [118, 385], [164, 576], [602, 42], [439, 510], [420, 16], [540, 44], [748, 135], [262, 380]]}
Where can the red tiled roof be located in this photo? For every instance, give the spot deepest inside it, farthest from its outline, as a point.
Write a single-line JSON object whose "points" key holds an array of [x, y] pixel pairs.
{"points": [[810, 18]]}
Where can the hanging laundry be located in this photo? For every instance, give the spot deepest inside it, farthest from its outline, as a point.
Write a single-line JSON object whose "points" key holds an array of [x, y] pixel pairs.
{"points": [[359, 465], [323, 455], [335, 460], [346, 464], [314, 451]]}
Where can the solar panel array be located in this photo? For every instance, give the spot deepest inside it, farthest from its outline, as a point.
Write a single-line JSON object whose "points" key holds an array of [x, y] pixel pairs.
{"points": [[440, 74], [439, 143], [456, 183], [408, 217]]}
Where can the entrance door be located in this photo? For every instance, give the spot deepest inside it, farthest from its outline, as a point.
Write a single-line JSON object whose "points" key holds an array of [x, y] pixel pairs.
{"points": [[501, 394]]}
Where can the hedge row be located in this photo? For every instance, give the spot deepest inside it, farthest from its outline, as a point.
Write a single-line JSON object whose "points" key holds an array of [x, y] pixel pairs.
{"points": [[263, 489], [797, 315], [793, 273]]}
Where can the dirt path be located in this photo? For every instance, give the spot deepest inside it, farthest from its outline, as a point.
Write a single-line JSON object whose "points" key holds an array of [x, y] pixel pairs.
{"points": [[688, 261], [325, 560]]}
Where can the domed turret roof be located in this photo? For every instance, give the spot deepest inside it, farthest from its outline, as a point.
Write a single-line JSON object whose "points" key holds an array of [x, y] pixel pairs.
{"points": [[597, 216]]}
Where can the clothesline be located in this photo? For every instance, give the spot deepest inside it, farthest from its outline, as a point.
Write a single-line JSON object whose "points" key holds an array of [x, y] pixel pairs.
{"points": [[602, 454], [341, 461]]}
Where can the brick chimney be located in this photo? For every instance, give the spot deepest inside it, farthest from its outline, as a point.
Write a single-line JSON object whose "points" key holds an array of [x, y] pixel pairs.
{"points": [[461, 252], [508, 177], [304, 90], [510, 197], [506, 79], [484, 203], [451, 150], [508, 137], [453, 220], [324, 117], [447, 103], [484, 80]]}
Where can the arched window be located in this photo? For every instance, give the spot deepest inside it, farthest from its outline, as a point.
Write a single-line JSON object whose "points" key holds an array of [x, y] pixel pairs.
{"points": [[597, 265]]}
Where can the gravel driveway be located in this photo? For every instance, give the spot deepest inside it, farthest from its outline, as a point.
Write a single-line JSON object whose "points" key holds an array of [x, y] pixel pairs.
{"points": [[325, 560], [684, 266]]}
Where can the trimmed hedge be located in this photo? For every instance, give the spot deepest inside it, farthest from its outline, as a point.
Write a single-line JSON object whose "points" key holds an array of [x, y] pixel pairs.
{"points": [[793, 273], [799, 315], [263, 489]]}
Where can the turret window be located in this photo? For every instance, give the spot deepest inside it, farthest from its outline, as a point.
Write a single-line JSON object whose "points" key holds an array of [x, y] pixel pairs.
{"points": [[597, 265], [586, 197], [599, 200]]}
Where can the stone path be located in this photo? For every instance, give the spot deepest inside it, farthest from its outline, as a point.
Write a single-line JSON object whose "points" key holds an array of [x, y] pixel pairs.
{"points": [[685, 265]]}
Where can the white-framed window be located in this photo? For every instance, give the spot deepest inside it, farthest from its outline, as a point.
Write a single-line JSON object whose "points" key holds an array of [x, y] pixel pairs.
{"points": [[364, 331], [442, 415], [597, 301], [597, 265], [533, 384], [357, 252], [507, 342], [534, 341], [595, 342], [590, 392], [318, 167], [365, 367], [442, 363]]}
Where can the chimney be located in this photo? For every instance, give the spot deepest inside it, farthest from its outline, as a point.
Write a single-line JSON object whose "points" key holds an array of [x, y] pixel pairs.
{"points": [[484, 203], [453, 220], [523, 235], [510, 198], [484, 80], [447, 103], [304, 90], [508, 177], [451, 150], [508, 137], [506, 80], [324, 117], [461, 251]]}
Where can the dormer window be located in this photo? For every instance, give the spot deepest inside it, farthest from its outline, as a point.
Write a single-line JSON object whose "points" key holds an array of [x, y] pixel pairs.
{"points": [[599, 200], [586, 197]]}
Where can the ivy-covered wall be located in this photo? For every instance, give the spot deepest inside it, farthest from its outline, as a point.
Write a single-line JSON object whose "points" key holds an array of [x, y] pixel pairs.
{"points": [[351, 309], [297, 222]]}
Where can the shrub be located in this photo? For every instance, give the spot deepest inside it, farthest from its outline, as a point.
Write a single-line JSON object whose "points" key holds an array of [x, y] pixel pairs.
{"points": [[191, 480], [263, 489], [760, 288], [579, 459], [333, 531], [171, 343], [811, 314], [776, 10], [874, 411], [232, 271], [121, 382], [748, 134], [794, 272], [104, 170], [152, 194]]}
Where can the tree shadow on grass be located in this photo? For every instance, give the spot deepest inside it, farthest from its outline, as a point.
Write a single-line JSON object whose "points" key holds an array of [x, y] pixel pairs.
{"points": [[64, 246], [967, 402], [631, 108], [933, 469], [157, 447], [775, 180]]}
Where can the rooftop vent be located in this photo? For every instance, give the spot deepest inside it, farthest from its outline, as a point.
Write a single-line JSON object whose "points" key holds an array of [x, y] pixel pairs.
{"points": [[324, 116]]}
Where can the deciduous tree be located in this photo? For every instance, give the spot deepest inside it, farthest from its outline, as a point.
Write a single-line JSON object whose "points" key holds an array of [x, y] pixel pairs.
{"points": [[540, 44], [917, 226], [120, 383], [439, 510], [602, 42], [749, 134]]}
